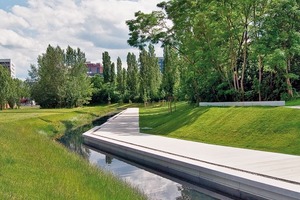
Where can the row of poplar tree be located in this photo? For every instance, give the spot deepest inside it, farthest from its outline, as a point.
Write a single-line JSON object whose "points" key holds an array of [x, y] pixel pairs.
{"points": [[139, 82], [60, 79]]}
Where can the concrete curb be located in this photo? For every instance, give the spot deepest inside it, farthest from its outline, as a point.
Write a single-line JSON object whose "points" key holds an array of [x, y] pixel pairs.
{"points": [[244, 104]]}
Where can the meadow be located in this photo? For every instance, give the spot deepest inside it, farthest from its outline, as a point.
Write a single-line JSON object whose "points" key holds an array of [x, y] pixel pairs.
{"points": [[34, 166]]}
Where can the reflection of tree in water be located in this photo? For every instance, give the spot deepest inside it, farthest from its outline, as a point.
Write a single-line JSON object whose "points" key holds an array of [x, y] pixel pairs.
{"points": [[73, 139], [190, 194], [108, 159]]}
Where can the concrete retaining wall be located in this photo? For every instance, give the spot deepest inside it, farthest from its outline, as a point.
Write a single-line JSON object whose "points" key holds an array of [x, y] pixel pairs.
{"points": [[224, 181], [245, 103]]}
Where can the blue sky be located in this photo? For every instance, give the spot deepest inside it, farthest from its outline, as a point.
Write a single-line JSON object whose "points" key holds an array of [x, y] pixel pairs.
{"points": [[28, 26], [8, 4]]}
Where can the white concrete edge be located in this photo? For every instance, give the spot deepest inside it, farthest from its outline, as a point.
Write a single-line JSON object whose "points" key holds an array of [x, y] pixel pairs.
{"points": [[249, 183], [245, 103]]}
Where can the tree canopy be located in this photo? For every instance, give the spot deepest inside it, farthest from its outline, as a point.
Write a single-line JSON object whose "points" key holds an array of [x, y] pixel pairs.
{"points": [[232, 50], [61, 78]]}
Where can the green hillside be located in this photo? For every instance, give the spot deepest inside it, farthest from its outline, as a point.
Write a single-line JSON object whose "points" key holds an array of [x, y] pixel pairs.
{"points": [[275, 129]]}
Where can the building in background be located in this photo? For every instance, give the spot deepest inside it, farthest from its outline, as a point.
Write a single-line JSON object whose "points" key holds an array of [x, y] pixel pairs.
{"points": [[7, 63], [94, 68]]}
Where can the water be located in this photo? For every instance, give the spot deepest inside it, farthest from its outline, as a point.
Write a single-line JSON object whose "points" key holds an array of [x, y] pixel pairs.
{"points": [[154, 184]]}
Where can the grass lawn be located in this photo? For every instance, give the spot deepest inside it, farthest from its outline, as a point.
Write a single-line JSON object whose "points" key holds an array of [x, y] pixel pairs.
{"points": [[274, 129], [34, 166], [295, 102]]}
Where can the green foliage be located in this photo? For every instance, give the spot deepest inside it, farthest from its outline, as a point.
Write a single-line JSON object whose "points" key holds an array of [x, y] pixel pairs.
{"points": [[5, 86], [229, 50], [60, 80], [274, 129], [11, 90], [132, 81], [150, 76], [106, 67], [120, 85]]}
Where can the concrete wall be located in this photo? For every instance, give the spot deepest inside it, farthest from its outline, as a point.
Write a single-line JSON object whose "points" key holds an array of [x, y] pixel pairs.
{"points": [[245, 103], [205, 174]]}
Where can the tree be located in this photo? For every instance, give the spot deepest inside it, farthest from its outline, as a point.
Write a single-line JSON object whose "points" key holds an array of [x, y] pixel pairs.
{"points": [[150, 77], [119, 75], [232, 50], [106, 67], [124, 81], [62, 79], [113, 74], [18, 90], [78, 85], [170, 78], [281, 31], [5, 81], [132, 76]]}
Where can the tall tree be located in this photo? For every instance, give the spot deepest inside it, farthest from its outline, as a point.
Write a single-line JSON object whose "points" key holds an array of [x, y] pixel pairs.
{"points": [[132, 76], [113, 74], [62, 79], [106, 67], [119, 75], [5, 81], [170, 78], [281, 30], [145, 80], [233, 50], [78, 85]]}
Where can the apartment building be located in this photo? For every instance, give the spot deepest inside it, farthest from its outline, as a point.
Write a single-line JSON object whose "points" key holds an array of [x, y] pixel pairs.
{"points": [[7, 63], [94, 68]]}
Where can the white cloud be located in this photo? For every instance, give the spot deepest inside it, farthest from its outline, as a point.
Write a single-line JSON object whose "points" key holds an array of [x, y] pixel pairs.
{"points": [[94, 26]]}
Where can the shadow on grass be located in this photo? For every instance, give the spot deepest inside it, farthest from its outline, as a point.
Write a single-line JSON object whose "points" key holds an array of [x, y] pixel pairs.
{"points": [[159, 121]]}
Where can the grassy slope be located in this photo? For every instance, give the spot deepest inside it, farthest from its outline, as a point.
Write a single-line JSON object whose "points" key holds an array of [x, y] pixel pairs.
{"points": [[32, 166], [295, 102], [275, 129]]}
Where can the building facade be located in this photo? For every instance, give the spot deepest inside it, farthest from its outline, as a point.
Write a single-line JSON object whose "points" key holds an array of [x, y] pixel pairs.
{"points": [[94, 68], [7, 63]]}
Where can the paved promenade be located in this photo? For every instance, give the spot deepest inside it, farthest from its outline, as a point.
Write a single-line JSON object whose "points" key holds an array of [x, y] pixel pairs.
{"points": [[268, 169]]}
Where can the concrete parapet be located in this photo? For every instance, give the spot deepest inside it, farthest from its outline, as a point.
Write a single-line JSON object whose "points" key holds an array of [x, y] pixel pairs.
{"points": [[245, 103], [237, 184]]}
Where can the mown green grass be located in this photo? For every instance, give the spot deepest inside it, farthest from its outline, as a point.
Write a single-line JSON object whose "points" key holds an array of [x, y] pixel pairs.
{"points": [[275, 129], [34, 166], [295, 102]]}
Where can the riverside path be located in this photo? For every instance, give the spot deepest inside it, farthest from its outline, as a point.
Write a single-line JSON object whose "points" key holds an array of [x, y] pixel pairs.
{"points": [[240, 173]]}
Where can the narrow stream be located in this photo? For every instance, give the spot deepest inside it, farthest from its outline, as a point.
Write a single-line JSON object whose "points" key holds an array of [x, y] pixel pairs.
{"points": [[154, 184]]}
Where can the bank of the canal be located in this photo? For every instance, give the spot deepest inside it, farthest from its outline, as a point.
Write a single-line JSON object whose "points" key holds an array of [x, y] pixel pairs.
{"points": [[241, 173], [34, 166]]}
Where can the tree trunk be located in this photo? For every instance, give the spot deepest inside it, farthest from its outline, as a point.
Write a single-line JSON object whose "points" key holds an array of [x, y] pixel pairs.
{"points": [[288, 81], [260, 68], [244, 60]]}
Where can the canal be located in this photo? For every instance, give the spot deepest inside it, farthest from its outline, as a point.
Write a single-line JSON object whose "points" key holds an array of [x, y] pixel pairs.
{"points": [[154, 184]]}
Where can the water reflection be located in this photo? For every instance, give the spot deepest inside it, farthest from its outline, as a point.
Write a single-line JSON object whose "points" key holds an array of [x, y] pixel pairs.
{"points": [[73, 139], [154, 184]]}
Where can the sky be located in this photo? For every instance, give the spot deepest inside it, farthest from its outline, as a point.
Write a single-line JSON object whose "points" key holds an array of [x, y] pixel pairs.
{"points": [[27, 27]]}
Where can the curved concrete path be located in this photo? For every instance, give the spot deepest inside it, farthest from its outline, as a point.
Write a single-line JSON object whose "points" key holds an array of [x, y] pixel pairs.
{"points": [[269, 169]]}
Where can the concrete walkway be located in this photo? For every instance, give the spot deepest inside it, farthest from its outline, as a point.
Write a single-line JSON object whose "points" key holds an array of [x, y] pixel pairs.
{"points": [[272, 171], [295, 107]]}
